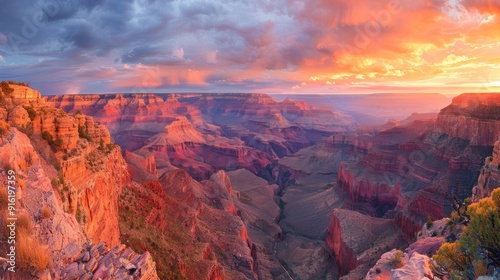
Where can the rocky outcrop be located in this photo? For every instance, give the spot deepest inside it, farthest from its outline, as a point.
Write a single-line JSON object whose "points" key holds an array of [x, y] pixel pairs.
{"points": [[410, 179], [68, 201], [99, 262], [395, 265], [99, 199], [192, 229], [489, 178], [373, 192], [25, 93], [357, 240], [474, 117]]}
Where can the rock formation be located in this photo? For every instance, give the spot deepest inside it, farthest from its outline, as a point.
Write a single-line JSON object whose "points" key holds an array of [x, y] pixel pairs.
{"points": [[474, 117], [192, 229], [390, 177], [407, 266], [205, 133], [358, 241], [67, 188], [489, 178], [414, 173]]}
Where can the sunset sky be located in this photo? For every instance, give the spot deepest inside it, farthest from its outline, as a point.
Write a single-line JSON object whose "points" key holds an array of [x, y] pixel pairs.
{"points": [[273, 46]]}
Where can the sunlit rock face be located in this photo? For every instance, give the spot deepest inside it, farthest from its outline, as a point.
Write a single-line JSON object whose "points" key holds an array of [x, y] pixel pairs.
{"points": [[392, 175], [202, 133], [69, 177], [489, 178], [474, 117], [191, 228]]}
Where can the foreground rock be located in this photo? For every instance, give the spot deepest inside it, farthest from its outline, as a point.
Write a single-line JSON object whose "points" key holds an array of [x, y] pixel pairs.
{"points": [[98, 262], [68, 179], [357, 241], [395, 265]]}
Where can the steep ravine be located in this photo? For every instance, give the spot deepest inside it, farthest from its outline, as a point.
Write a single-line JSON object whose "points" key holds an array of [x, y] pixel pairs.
{"points": [[305, 202]]}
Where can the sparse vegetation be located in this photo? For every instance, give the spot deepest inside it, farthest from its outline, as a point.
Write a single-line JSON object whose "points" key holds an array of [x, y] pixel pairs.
{"points": [[54, 144], [31, 112], [30, 253], [46, 136], [83, 133], [397, 259], [6, 89], [78, 214], [23, 223], [10, 82], [4, 128], [165, 244], [46, 213], [477, 247], [21, 183], [22, 165], [107, 149], [429, 222]]}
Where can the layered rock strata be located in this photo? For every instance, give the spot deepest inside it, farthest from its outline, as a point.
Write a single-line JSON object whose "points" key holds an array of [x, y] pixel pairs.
{"points": [[68, 195]]}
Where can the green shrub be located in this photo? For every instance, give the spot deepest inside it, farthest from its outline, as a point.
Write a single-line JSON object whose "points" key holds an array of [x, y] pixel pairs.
{"points": [[54, 144], [478, 244], [4, 128], [31, 112], [429, 222], [46, 136], [84, 133], [397, 259]]}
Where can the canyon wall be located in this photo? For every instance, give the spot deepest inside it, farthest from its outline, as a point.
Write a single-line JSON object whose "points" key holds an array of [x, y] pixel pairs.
{"points": [[357, 240], [418, 177], [418, 171], [489, 178], [69, 179], [203, 133], [474, 117]]}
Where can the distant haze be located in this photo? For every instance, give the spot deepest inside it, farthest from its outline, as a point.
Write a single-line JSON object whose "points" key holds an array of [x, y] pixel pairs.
{"points": [[377, 108]]}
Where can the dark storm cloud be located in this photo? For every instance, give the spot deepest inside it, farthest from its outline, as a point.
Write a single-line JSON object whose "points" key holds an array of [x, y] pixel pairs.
{"points": [[150, 56], [79, 34]]}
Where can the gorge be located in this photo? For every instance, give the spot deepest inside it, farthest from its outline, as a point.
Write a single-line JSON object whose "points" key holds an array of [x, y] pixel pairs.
{"points": [[236, 186]]}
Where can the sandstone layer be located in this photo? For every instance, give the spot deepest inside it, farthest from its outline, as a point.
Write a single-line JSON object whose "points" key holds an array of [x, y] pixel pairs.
{"points": [[202, 133], [67, 200]]}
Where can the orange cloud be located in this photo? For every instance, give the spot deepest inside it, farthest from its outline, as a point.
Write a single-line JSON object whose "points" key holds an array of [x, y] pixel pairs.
{"points": [[155, 77], [412, 42]]}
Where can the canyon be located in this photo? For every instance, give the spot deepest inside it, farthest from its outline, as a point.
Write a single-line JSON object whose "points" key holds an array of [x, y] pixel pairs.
{"points": [[241, 186]]}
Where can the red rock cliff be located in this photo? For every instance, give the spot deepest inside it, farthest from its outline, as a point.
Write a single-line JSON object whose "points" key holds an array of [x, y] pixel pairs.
{"points": [[356, 239], [474, 117]]}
